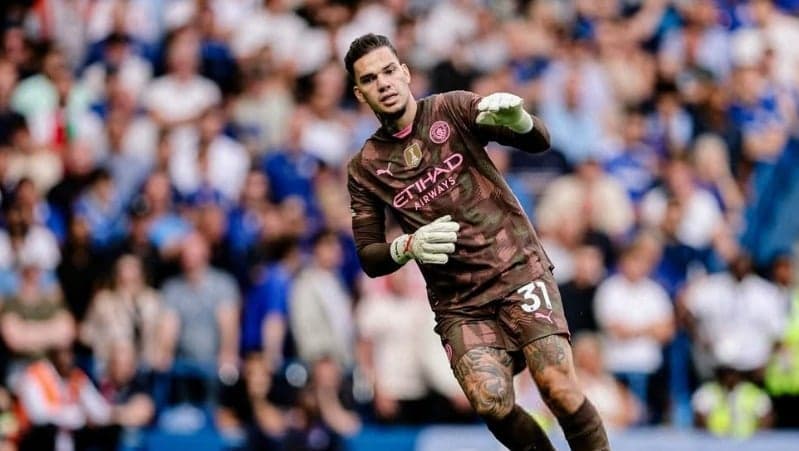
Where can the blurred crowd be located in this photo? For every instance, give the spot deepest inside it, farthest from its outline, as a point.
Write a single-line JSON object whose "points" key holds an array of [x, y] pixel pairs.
{"points": [[175, 245]]}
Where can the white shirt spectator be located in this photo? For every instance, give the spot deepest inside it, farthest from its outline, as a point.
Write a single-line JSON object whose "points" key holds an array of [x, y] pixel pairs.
{"points": [[39, 247], [287, 35], [712, 52], [327, 139], [140, 18], [448, 24], [371, 18], [134, 74], [621, 301], [741, 319], [407, 353], [701, 218], [175, 100], [228, 163], [228, 14], [611, 209]]}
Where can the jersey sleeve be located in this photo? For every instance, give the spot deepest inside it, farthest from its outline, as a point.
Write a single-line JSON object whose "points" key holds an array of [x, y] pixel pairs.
{"points": [[463, 104], [368, 228]]}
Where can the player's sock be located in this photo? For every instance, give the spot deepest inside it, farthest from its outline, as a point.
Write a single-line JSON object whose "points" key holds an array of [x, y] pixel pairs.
{"points": [[518, 431], [584, 430]]}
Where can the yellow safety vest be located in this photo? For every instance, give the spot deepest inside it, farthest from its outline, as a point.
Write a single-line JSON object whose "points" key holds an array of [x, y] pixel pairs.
{"points": [[734, 413], [782, 373]]}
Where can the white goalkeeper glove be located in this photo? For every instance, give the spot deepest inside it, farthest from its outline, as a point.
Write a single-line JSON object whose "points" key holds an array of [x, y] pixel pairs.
{"points": [[430, 243], [504, 109]]}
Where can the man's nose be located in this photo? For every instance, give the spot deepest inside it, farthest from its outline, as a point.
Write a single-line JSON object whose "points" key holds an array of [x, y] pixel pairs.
{"points": [[382, 82]]}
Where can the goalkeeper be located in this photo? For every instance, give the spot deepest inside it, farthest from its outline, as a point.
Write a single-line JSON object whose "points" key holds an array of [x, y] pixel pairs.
{"points": [[489, 281]]}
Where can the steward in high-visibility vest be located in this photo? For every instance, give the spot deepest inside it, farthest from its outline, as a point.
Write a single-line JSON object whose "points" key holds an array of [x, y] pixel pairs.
{"points": [[731, 406], [782, 373], [55, 400]]}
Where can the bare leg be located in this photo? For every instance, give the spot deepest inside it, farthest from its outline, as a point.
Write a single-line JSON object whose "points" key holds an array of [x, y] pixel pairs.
{"points": [[552, 368], [487, 379]]}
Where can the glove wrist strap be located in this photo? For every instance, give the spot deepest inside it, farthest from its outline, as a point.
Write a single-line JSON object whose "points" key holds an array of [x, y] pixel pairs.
{"points": [[524, 124], [399, 249]]}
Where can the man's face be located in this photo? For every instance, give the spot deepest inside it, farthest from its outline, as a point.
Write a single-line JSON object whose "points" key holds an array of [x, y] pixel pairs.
{"points": [[382, 82]]}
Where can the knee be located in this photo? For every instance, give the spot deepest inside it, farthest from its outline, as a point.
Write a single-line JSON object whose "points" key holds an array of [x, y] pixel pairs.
{"points": [[561, 393], [493, 405]]}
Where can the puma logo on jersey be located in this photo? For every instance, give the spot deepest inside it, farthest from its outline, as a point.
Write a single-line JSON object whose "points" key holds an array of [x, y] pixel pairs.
{"points": [[385, 171], [548, 316]]}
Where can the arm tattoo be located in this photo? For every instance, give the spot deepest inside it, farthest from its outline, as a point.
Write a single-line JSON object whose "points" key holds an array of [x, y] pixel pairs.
{"points": [[486, 377], [546, 352]]}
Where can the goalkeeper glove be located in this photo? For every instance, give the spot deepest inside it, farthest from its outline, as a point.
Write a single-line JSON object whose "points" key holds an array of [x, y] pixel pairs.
{"points": [[430, 243], [504, 109]]}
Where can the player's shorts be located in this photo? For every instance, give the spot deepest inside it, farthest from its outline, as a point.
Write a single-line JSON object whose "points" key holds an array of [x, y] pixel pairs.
{"points": [[532, 311]]}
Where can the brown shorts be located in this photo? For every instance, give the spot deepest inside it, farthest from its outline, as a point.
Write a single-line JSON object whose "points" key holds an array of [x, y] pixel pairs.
{"points": [[532, 311]]}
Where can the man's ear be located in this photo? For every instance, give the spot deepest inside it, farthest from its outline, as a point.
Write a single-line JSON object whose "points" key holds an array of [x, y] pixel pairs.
{"points": [[358, 94]]}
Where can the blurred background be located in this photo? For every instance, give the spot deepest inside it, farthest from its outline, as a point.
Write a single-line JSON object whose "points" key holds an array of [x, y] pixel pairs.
{"points": [[176, 261]]}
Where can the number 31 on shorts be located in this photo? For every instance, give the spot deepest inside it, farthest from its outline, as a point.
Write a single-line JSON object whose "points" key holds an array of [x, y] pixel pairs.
{"points": [[529, 293]]}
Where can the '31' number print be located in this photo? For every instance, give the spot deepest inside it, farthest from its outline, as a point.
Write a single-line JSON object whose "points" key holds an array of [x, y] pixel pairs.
{"points": [[529, 293]]}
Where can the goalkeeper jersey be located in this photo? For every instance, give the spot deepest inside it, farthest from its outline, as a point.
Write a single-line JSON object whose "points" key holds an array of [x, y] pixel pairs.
{"points": [[439, 168]]}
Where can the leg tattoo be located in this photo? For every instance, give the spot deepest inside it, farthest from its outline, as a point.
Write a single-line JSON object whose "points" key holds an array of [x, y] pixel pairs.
{"points": [[550, 362], [487, 379]]}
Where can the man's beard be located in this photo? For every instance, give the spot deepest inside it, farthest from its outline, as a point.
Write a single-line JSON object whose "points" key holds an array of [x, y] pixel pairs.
{"points": [[390, 119]]}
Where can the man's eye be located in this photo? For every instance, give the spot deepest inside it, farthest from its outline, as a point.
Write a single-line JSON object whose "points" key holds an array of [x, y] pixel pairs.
{"points": [[390, 70]]}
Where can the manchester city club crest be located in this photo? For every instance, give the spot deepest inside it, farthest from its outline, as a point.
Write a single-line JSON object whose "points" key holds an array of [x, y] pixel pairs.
{"points": [[439, 132], [413, 155]]}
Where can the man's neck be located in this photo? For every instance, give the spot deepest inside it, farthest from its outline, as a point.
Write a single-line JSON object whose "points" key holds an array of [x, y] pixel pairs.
{"points": [[394, 125]]}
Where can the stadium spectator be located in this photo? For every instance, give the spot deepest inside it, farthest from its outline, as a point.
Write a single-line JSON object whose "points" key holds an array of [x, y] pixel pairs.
{"points": [[245, 407], [102, 209], [701, 218], [33, 319], [128, 310], [81, 268], [616, 404], [199, 327], [730, 405], [61, 405], [636, 319], [181, 96], [401, 359], [119, 59], [130, 149], [263, 113], [590, 193], [782, 373], [265, 318], [125, 387], [635, 166], [29, 160], [580, 289], [207, 160], [55, 106], [321, 309], [226, 140], [322, 420], [739, 310]]}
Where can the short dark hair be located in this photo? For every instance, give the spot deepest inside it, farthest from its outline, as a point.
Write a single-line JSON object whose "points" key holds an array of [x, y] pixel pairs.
{"points": [[363, 45]]}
